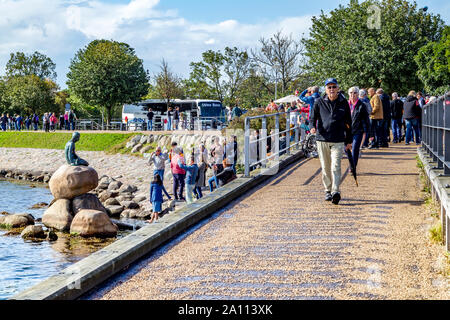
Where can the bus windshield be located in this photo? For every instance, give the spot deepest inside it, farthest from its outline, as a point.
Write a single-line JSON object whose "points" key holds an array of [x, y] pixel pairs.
{"points": [[210, 109]]}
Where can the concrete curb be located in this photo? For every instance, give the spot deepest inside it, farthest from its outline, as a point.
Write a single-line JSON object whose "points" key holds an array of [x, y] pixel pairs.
{"points": [[82, 276], [439, 191]]}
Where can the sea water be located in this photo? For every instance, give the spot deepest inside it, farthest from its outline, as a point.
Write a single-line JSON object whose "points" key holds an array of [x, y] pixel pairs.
{"points": [[24, 263]]}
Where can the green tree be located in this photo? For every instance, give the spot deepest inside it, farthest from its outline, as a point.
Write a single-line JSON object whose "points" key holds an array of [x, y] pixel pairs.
{"points": [[3, 98], [372, 43], [168, 85], [254, 92], [38, 64], [107, 74], [29, 94], [219, 75], [433, 62]]}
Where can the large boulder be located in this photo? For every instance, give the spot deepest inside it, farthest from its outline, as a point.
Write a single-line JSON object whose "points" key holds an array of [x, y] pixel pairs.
{"points": [[114, 211], [127, 188], [145, 149], [114, 185], [58, 215], [112, 202], [69, 182], [17, 220], [33, 232], [143, 139], [136, 148], [87, 201], [93, 223]]}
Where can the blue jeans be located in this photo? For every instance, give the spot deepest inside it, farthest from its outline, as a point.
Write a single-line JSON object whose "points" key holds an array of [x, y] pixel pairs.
{"points": [[385, 131], [3, 126], [198, 192], [376, 132], [178, 183], [169, 124], [149, 125], [356, 146], [414, 123], [160, 172], [210, 183], [396, 129], [72, 125]]}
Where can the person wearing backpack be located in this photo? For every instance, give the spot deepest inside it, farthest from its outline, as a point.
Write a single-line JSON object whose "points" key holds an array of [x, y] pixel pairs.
{"points": [[35, 121], [156, 197], [72, 118]]}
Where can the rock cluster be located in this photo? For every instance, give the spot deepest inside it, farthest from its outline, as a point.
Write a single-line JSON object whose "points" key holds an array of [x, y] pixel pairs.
{"points": [[122, 200], [74, 209], [30, 230], [33, 176]]}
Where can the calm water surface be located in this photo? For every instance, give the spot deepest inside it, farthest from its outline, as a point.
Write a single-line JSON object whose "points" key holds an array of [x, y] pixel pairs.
{"points": [[24, 263]]}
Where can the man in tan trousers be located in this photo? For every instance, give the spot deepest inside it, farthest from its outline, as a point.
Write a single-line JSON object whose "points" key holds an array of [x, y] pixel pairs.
{"points": [[331, 119]]}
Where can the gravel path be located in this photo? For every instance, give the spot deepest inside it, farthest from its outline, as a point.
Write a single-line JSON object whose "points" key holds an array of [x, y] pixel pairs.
{"points": [[283, 241]]}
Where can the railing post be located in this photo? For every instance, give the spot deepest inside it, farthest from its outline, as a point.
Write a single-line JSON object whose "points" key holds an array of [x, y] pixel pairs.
{"points": [[247, 148], [440, 134], [297, 130], [446, 136], [276, 142], [288, 133], [435, 131], [263, 144]]}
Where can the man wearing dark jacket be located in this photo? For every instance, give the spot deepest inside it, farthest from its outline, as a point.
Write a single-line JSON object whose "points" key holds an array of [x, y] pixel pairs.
{"points": [[386, 117], [396, 114], [412, 114], [332, 121]]}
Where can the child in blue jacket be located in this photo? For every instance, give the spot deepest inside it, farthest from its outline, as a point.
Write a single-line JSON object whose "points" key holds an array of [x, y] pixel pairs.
{"points": [[156, 197]]}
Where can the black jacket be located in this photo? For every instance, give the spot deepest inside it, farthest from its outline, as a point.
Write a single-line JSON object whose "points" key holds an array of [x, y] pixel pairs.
{"points": [[332, 120], [386, 106], [397, 109], [150, 115], [412, 108], [360, 118]]}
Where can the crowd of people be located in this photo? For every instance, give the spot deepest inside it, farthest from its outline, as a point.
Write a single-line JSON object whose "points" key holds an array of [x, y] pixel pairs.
{"points": [[47, 122], [189, 171], [364, 120]]}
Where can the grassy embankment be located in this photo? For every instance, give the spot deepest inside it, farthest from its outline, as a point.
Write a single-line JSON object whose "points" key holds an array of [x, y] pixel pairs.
{"points": [[110, 143]]}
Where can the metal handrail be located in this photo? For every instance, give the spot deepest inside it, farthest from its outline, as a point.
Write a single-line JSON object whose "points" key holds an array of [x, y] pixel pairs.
{"points": [[262, 141], [436, 131]]}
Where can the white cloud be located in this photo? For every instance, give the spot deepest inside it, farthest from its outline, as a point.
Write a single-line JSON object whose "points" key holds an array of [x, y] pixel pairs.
{"points": [[59, 28]]}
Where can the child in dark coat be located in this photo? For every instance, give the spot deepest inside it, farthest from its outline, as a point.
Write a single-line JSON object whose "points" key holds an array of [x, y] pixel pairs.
{"points": [[156, 197]]}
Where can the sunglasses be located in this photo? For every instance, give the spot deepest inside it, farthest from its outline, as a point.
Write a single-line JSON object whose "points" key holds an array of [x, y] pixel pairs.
{"points": [[331, 87]]}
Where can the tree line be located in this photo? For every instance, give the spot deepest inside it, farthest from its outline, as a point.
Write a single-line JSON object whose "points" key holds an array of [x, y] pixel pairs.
{"points": [[391, 44]]}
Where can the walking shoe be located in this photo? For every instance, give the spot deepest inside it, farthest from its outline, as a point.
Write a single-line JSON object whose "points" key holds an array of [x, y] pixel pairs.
{"points": [[336, 198], [328, 196], [407, 144]]}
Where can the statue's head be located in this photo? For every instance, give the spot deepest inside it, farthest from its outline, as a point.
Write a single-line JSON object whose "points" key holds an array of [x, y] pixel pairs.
{"points": [[75, 136]]}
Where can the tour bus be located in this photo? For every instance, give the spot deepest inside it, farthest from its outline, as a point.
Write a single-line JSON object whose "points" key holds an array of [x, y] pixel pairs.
{"points": [[204, 113]]}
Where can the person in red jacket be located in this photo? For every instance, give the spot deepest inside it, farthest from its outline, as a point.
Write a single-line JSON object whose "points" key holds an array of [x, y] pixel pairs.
{"points": [[178, 173], [53, 121]]}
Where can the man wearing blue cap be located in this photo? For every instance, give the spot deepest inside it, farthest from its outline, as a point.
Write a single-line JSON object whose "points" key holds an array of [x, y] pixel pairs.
{"points": [[332, 120]]}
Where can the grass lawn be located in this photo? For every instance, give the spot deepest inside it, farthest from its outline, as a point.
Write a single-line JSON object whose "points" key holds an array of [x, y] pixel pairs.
{"points": [[108, 142]]}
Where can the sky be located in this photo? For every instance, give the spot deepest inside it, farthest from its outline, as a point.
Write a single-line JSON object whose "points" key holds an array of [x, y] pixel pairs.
{"points": [[177, 30]]}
